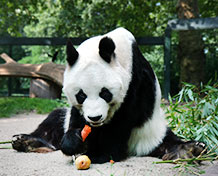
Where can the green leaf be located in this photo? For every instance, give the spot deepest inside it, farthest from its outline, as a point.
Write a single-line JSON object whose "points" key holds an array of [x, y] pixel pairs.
{"points": [[190, 95], [207, 109], [181, 95], [215, 128], [213, 139]]}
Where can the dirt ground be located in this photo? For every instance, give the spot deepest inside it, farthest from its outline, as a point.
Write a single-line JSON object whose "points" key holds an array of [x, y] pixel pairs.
{"points": [[13, 163]]}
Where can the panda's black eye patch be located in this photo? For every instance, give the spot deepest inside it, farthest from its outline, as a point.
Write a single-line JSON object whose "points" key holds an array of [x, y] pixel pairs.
{"points": [[81, 96], [106, 94]]}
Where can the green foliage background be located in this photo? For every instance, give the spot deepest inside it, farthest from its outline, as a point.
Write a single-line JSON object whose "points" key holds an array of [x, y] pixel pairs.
{"points": [[86, 18], [39, 18]]}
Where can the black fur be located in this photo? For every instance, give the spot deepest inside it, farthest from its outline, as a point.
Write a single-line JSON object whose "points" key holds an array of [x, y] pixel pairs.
{"points": [[106, 94], [51, 128], [106, 49], [170, 140], [29, 143], [173, 147], [72, 54], [140, 99], [48, 134], [80, 96]]}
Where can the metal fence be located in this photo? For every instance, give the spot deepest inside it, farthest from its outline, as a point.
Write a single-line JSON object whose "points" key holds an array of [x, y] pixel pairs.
{"points": [[11, 43], [165, 41]]}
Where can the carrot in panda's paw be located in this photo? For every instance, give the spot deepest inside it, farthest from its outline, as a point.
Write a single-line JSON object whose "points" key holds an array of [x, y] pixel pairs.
{"points": [[85, 132]]}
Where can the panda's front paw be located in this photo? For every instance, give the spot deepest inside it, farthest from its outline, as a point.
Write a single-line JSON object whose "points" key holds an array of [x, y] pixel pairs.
{"points": [[186, 150], [72, 142]]}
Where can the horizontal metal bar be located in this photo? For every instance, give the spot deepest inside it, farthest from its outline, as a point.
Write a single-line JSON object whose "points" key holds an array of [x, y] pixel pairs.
{"points": [[38, 41], [150, 40], [63, 41], [193, 24]]}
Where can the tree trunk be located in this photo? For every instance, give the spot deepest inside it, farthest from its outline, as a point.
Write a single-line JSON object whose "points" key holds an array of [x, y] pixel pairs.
{"points": [[44, 89], [191, 47]]}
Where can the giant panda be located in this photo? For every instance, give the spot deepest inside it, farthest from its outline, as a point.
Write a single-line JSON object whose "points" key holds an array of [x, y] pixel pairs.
{"points": [[111, 87]]}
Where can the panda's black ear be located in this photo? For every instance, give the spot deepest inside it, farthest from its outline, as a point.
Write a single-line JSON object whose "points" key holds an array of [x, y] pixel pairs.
{"points": [[72, 54], [106, 48]]}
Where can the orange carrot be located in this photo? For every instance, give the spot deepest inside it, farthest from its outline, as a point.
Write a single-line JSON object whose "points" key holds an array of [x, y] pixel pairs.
{"points": [[85, 132], [112, 161]]}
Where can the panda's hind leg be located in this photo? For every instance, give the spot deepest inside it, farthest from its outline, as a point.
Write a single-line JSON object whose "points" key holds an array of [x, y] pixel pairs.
{"points": [[173, 147], [28, 143], [45, 138], [187, 150]]}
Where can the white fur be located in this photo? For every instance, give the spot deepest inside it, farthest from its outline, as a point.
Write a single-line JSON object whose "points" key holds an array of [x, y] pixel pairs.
{"points": [[144, 139], [91, 73], [67, 120]]}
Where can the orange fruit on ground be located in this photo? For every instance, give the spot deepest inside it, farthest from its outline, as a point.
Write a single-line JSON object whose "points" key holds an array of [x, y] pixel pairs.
{"points": [[82, 162]]}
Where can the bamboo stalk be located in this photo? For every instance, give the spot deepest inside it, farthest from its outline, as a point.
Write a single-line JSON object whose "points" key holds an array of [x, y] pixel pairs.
{"points": [[187, 160], [6, 142], [6, 148]]}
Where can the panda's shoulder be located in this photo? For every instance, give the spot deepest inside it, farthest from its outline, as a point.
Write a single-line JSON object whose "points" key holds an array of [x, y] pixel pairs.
{"points": [[57, 113]]}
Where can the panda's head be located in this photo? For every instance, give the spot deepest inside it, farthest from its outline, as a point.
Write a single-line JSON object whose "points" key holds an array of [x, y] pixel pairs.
{"points": [[95, 82]]}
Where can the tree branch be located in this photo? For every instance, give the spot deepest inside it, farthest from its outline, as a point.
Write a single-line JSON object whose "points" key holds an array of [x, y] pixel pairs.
{"points": [[7, 58]]}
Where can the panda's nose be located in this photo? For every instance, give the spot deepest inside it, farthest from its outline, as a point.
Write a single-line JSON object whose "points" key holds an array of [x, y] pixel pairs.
{"points": [[94, 119]]}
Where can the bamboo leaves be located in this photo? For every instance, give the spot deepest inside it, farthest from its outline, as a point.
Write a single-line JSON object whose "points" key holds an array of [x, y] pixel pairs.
{"points": [[193, 114]]}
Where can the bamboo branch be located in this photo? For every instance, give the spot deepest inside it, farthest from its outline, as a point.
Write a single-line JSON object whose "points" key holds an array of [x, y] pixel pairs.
{"points": [[6, 142], [179, 160], [6, 148], [7, 58]]}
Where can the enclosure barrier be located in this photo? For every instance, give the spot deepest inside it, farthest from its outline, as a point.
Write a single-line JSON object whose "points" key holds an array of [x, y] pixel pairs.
{"points": [[62, 41], [181, 25], [165, 41]]}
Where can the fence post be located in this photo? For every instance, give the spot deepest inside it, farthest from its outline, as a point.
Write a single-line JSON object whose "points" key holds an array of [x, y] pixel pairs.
{"points": [[167, 58], [10, 79]]}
